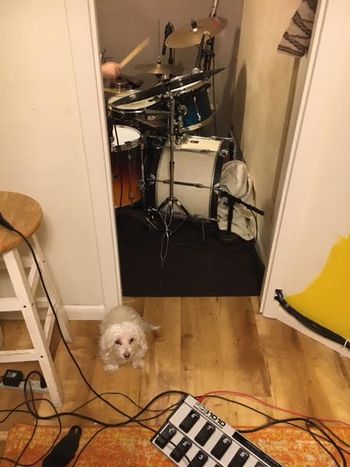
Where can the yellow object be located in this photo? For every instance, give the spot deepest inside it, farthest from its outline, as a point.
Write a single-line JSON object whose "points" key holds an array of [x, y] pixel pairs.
{"points": [[327, 299]]}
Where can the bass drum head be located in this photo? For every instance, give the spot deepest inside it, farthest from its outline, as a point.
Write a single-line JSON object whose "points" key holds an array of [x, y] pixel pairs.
{"points": [[198, 162]]}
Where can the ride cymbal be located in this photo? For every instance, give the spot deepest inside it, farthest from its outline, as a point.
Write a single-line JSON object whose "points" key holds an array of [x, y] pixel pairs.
{"points": [[192, 34]]}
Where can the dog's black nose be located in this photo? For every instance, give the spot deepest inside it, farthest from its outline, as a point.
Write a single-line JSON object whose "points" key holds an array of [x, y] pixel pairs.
{"points": [[126, 354]]}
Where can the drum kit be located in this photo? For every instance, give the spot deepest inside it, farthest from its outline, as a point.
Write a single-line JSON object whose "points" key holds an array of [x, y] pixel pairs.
{"points": [[157, 155]]}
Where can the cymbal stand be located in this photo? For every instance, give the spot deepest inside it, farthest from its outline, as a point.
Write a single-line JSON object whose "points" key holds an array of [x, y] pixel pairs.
{"points": [[171, 204]]}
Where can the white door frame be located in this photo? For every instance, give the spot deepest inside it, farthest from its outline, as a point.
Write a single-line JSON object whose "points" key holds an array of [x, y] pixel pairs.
{"points": [[82, 26]]}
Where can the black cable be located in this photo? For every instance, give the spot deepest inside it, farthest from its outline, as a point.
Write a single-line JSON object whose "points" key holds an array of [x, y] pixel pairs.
{"points": [[275, 421], [315, 438], [309, 323], [6, 224], [134, 419]]}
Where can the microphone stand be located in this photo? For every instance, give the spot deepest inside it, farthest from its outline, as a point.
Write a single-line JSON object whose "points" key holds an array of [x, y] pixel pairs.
{"points": [[231, 200]]}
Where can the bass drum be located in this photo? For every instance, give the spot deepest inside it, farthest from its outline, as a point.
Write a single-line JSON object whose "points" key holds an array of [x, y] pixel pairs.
{"points": [[197, 169]]}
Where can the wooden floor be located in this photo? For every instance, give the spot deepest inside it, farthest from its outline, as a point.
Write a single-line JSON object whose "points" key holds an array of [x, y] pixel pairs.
{"points": [[205, 344]]}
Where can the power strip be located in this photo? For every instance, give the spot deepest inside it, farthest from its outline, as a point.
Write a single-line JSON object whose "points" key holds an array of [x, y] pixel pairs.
{"points": [[193, 436], [34, 383]]}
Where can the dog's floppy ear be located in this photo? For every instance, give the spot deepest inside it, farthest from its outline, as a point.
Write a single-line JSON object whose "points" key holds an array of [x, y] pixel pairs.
{"points": [[107, 339], [141, 338]]}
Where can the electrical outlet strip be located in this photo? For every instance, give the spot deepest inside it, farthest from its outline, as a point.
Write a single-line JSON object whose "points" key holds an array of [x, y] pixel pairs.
{"points": [[193, 436], [35, 386]]}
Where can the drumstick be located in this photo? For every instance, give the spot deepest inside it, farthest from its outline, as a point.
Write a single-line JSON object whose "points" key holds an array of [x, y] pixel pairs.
{"points": [[134, 52]]}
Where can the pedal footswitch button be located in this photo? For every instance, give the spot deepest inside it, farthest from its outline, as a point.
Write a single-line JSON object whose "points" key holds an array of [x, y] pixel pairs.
{"points": [[199, 460], [165, 436], [240, 458], [205, 433], [221, 446], [181, 449], [188, 422]]}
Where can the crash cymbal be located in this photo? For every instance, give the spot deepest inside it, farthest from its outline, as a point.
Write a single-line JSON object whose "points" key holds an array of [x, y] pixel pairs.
{"points": [[174, 84], [191, 35]]}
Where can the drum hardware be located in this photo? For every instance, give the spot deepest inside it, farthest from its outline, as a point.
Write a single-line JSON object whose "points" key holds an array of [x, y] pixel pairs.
{"points": [[231, 200], [168, 85], [223, 193], [167, 206]]}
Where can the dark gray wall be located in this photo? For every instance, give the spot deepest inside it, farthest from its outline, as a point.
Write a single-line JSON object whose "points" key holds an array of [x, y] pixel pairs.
{"points": [[123, 24]]}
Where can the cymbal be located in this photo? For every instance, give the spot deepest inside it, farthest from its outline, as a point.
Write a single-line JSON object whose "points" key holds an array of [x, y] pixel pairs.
{"points": [[173, 84], [159, 69], [191, 35]]}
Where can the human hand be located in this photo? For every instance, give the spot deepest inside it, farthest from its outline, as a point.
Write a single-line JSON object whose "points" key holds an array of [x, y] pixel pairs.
{"points": [[110, 70]]}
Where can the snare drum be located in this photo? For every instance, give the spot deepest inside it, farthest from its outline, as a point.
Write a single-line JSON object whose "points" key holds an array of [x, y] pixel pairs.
{"points": [[126, 165], [197, 169], [128, 112], [194, 98]]}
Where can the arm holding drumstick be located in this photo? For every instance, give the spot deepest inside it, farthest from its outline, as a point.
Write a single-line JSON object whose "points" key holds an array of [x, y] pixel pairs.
{"points": [[111, 70]]}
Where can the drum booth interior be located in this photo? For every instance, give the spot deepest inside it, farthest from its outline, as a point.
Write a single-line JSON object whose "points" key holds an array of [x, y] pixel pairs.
{"points": [[156, 155]]}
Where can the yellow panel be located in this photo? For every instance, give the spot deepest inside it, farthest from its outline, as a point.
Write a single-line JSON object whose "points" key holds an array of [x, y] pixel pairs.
{"points": [[327, 299]]}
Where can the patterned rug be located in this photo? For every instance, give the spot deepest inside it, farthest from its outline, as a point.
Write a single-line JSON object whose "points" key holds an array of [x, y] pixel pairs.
{"points": [[131, 447]]}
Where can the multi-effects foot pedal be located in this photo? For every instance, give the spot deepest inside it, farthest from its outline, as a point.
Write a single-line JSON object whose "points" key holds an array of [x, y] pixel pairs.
{"points": [[193, 436]]}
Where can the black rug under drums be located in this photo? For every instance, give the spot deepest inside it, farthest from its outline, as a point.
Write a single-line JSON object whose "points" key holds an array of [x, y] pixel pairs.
{"points": [[195, 264]]}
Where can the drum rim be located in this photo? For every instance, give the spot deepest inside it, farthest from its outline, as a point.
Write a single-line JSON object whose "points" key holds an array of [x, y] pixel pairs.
{"points": [[191, 88], [198, 125], [117, 108], [127, 145]]}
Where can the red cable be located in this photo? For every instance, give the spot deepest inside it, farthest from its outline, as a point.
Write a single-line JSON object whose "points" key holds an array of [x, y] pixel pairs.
{"points": [[243, 394]]}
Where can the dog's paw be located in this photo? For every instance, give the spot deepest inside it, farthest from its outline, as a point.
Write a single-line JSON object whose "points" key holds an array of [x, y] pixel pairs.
{"points": [[111, 368], [155, 330], [138, 364]]}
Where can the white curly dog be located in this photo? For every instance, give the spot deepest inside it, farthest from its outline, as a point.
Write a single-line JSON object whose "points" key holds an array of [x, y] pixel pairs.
{"points": [[123, 338]]}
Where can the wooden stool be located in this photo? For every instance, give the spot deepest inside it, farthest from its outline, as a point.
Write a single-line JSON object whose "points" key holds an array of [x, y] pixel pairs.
{"points": [[25, 215]]}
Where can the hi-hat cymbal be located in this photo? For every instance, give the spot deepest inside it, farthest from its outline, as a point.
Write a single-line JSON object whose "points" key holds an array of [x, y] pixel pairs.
{"points": [[192, 34]]}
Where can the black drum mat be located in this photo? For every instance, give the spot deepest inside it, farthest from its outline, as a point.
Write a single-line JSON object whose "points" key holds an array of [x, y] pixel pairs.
{"points": [[195, 264]]}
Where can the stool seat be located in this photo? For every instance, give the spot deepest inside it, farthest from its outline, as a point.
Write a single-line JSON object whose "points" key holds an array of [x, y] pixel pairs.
{"points": [[23, 213]]}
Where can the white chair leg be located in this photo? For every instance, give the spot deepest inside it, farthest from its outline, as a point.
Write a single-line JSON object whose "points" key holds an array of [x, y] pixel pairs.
{"points": [[31, 317], [52, 290]]}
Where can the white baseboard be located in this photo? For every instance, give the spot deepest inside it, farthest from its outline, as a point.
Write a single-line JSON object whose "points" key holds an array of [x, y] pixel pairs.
{"points": [[74, 312], [85, 312]]}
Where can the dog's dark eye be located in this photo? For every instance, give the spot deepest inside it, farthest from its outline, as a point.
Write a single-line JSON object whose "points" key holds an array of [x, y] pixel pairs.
{"points": [[131, 340], [118, 342]]}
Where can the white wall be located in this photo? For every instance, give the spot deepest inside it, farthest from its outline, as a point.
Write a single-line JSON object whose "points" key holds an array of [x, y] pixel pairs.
{"points": [[264, 90], [316, 196], [44, 152]]}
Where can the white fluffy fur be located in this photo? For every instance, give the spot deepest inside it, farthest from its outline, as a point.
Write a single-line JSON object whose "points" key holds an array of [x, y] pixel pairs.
{"points": [[123, 338]]}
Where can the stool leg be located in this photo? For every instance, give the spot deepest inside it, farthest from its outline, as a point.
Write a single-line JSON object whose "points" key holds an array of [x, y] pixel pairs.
{"points": [[23, 292], [54, 295]]}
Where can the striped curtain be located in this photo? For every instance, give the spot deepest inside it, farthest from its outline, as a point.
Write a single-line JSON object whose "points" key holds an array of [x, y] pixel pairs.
{"points": [[296, 39]]}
